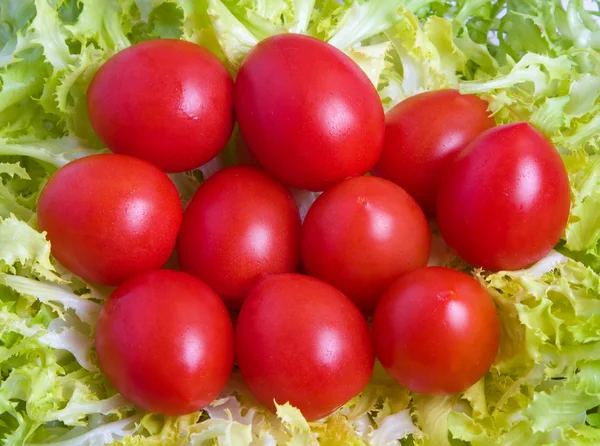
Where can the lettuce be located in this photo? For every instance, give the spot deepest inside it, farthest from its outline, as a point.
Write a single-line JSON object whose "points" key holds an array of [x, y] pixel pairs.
{"points": [[543, 385], [532, 60], [51, 389]]}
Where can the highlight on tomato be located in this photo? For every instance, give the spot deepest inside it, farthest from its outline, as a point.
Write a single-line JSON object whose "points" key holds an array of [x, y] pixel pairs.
{"points": [[109, 217], [308, 112], [167, 101], [362, 234], [436, 331], [239, 225], [504, 202], [423, 134], [165, 341], [300, 340]]}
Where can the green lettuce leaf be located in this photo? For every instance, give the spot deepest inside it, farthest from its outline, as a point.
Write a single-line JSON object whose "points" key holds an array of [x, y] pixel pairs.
{"points": [[583, 231], [544, 381], [51, 398], [425, 57], [532, 60]]}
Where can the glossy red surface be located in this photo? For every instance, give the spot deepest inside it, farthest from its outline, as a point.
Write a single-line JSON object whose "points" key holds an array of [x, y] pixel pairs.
{"points": [[165, 341], [423, 134], [362, 234], [109, 217], [436, 331], [167, 101], [504, 202], [240, 224], [308, 113], [300, 340]]}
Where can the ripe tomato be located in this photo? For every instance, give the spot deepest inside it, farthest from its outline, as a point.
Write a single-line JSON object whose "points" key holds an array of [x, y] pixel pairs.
{"points": [[317, 120], [240, 224], [109, 217], [362, 234], [165, 341], [423, 134], [505, 201], [436, 331], [300, 340], [167, 101]]}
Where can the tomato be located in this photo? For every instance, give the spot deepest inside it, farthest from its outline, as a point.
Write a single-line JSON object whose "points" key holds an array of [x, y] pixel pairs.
{"points": [[165, 342], [167, 101], [316, 120], [362, 234], [436, 331], [241, 223], [423, 134], [109, 217], [505, 201], [300, 340]]}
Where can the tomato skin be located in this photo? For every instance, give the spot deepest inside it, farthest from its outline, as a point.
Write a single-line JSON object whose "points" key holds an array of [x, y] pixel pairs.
{"points": [[300, 340], [109, 217], [504, 202], [168, 101], [303, 125], [423, 133], [362, 234], [240, 224], [165, 342], [436, 331]]}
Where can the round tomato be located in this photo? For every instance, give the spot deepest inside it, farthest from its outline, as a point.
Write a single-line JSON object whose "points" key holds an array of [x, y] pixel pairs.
{"points": [[299, 340], [240, 224], [505, 201], [109, 217], [167, 101], [436, 331], [362, 234], [423, 134], [317, 120], [165, 342]]}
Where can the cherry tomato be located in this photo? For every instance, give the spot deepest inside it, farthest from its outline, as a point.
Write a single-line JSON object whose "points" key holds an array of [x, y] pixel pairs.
{"points": [[240, 224], [362, 234], [165, 342], [436, 331], [423, 134], [109, 217], [317, 120], [300, 340], [167, 101], [504, 202]]}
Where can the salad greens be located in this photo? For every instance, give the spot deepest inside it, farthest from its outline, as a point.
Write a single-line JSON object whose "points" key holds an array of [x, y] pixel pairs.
{"points": [[533, 60]]}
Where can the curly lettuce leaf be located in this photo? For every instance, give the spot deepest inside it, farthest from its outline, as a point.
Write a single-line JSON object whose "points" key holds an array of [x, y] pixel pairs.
{"points": [[543, 384], [56, 396], [583, 231], [532, 60], [425, 57]]}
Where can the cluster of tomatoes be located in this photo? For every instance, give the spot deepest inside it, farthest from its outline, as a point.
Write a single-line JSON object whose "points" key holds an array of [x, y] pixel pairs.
{"points": [[312, 120]]}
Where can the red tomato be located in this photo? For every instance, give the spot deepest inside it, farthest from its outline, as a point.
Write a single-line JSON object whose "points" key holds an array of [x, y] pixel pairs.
{"points": [[300, 340], [505, 201], [165, 341], [436, 331], [240, 224], [167, 101], [362, 234], [317, 118], [423, 134], [109, 217]]}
